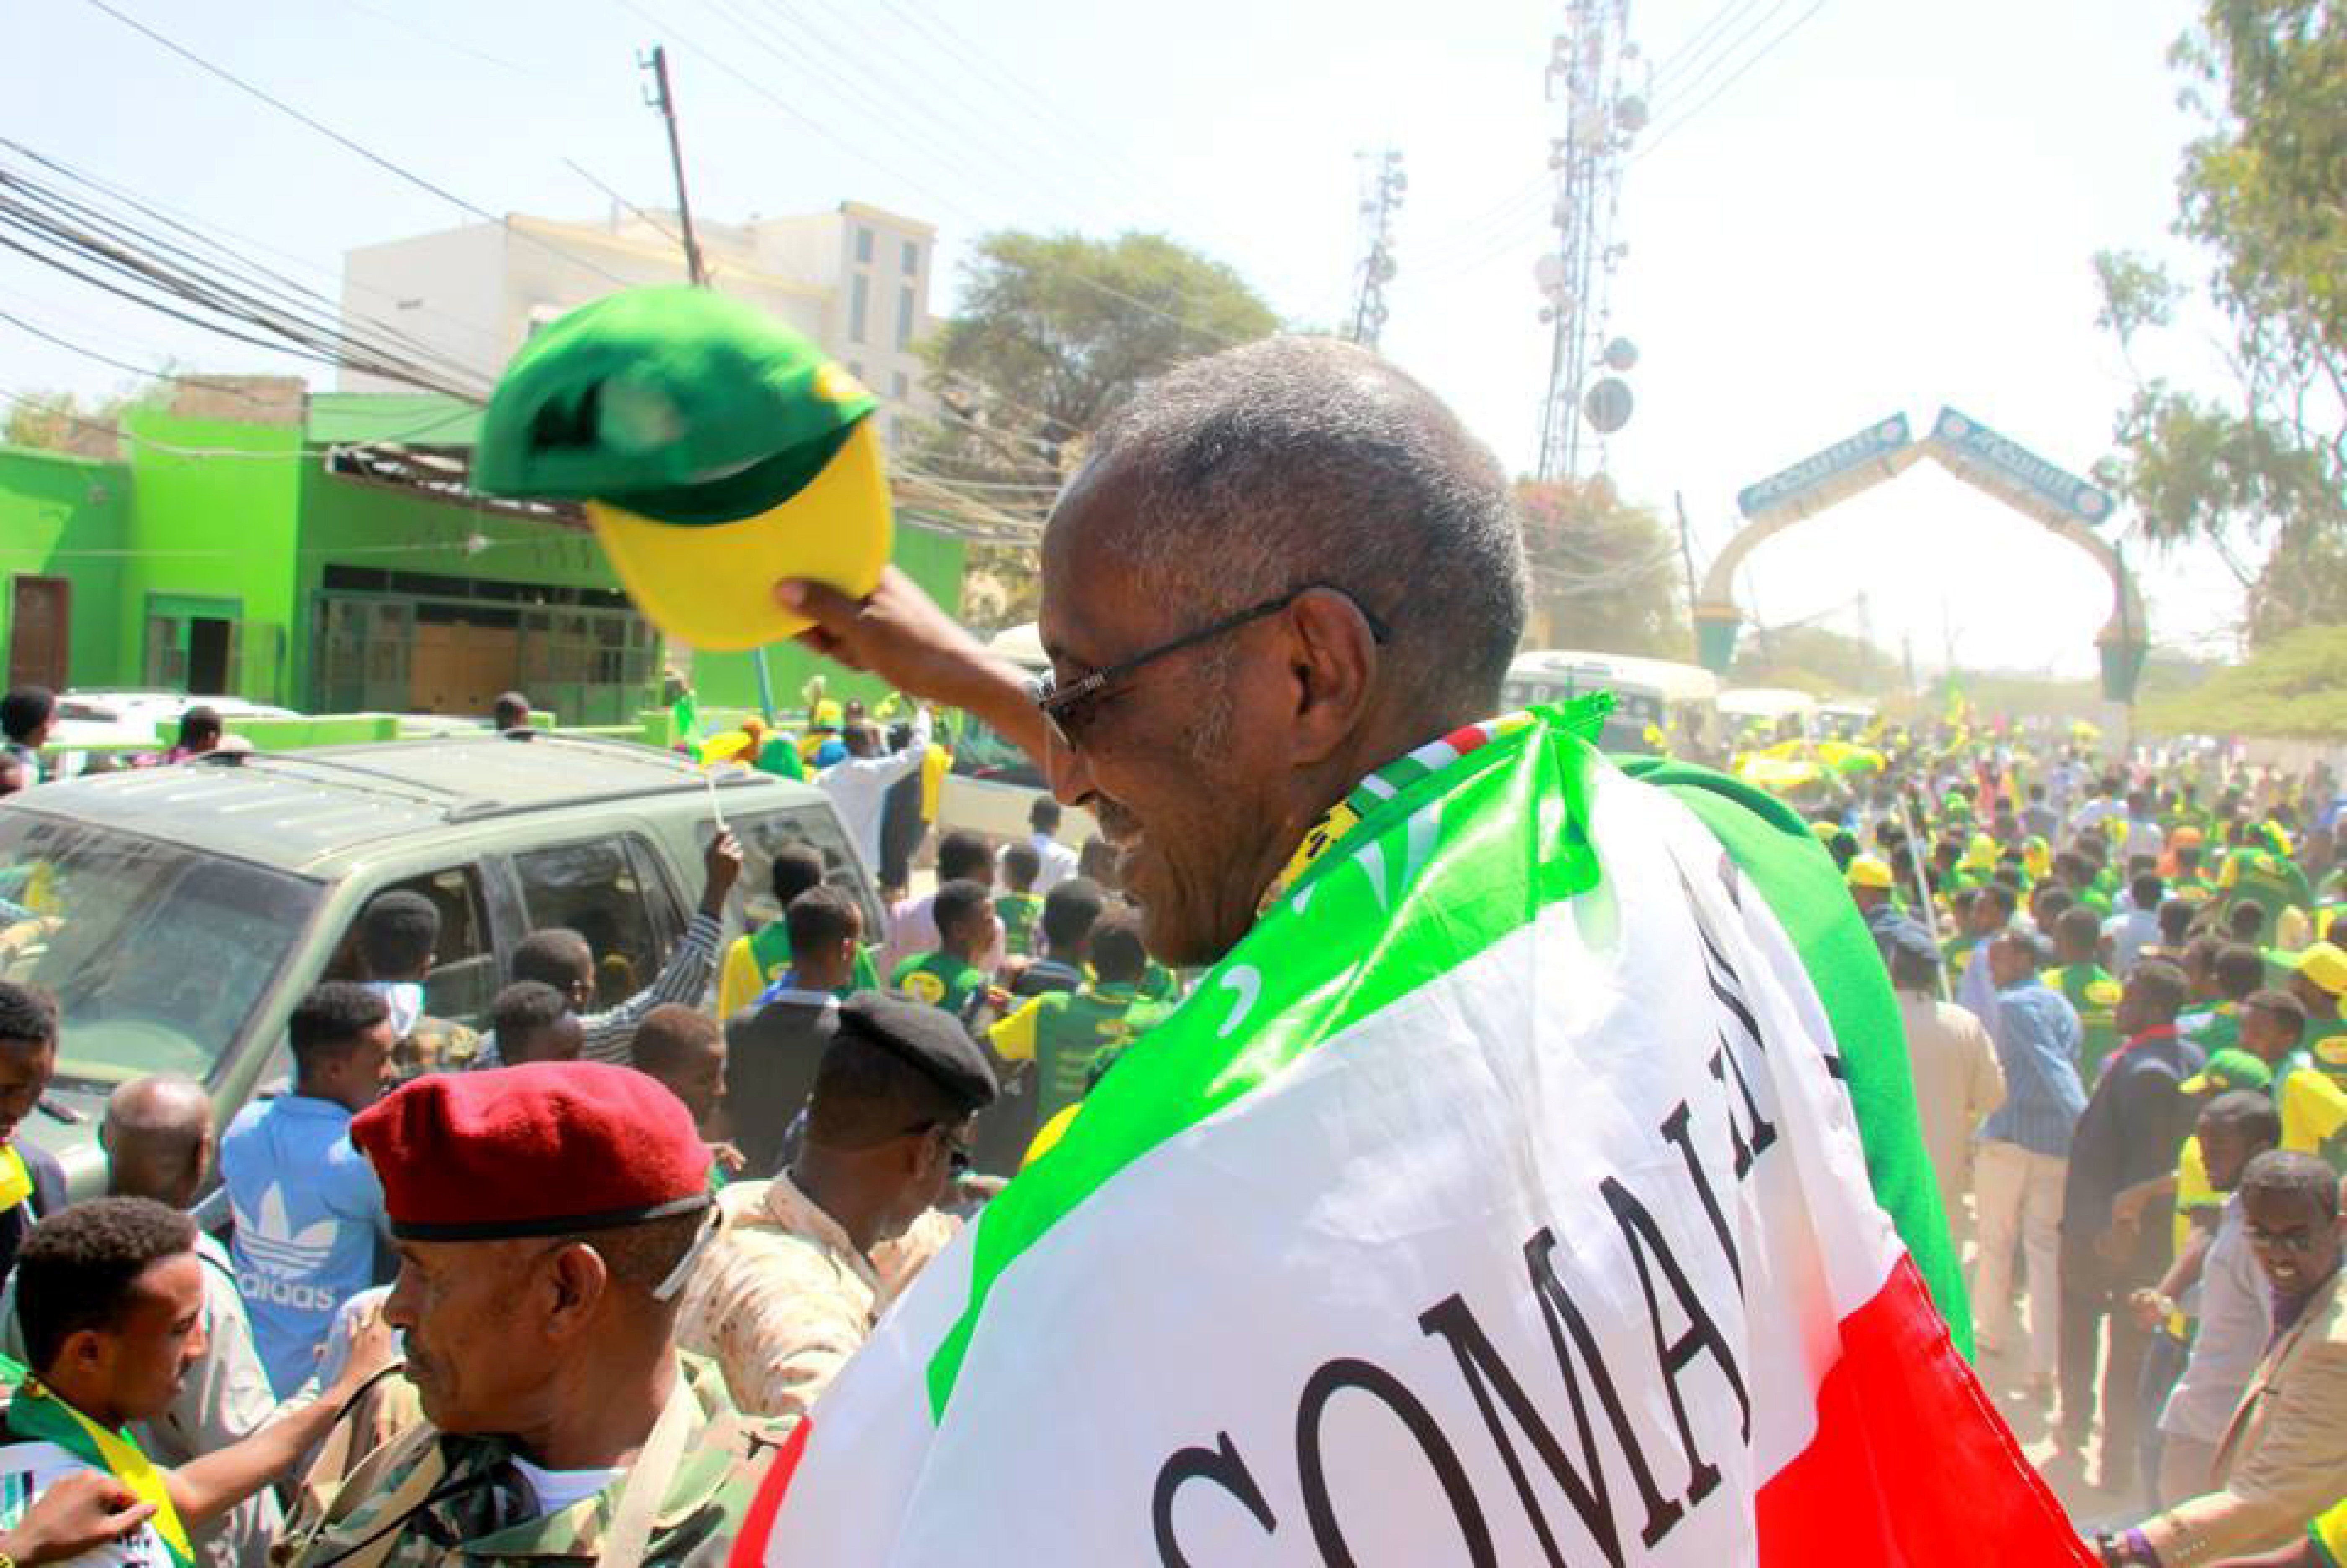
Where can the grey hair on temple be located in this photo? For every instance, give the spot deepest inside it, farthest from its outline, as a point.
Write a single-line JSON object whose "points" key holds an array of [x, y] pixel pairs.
{"points": [[1301, 460]]}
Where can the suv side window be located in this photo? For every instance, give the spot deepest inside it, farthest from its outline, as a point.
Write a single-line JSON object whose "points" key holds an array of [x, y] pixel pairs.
{"points": [[610, 891], [464, 973], [752, 902]]}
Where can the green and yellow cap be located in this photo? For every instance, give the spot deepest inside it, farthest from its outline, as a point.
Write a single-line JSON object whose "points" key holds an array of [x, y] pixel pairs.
{"points": [[1871, 871], [2230, 1068], [717, 451]]}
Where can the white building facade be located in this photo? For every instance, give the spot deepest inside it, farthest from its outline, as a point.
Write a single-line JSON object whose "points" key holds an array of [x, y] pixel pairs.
{"points": [[856, 280]]}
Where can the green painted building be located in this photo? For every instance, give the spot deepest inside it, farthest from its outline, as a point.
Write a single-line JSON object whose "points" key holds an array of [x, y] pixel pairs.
{"points": [[322, 552]]}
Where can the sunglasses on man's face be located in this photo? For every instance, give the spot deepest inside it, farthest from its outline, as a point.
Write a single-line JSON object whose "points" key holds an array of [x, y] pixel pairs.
{"points": [[957, 1153], [1069, 712]]}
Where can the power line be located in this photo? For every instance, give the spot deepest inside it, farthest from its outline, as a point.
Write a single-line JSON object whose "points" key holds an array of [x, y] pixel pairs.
{"points": [[213, 234], [378, 159], [1700, 43], [1665, 133], [67, 221], [51, 230], [944, 203]]}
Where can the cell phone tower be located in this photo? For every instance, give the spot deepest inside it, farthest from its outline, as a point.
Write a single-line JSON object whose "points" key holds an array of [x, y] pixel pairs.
{"points": [[1382, 188], [1596, 86]]}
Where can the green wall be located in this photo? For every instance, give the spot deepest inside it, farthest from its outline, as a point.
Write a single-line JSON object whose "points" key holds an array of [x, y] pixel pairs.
{"points": [[933, 559], [214, 516], [64, 517], [226, 513]]}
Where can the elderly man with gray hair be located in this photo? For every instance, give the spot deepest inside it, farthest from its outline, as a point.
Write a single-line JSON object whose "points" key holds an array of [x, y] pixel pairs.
{"points": [[1521, 1099]]}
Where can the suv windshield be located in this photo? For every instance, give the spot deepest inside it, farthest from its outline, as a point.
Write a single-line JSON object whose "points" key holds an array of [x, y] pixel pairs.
{"points": [[157, 955]]}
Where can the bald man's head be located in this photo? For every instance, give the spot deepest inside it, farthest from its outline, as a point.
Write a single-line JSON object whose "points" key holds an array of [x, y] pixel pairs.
{"points": [[157, 1137]]}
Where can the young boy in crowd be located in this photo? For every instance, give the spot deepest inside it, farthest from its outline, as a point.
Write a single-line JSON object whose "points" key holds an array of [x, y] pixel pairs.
{"points": [[1018, 904], [534, 1022]]}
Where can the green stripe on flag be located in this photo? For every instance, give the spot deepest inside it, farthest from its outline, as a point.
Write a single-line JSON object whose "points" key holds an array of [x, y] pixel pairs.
{"points": [[1774, 848], [1455, 859]]}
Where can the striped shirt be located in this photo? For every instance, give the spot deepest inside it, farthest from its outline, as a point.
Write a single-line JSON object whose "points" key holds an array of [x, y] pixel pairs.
{"points": [[606, 1036], [2037, 1035]]}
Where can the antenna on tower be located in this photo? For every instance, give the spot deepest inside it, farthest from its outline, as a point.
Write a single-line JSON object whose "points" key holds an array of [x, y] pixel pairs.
{"points": [[1596, 80], [1383, 186]]}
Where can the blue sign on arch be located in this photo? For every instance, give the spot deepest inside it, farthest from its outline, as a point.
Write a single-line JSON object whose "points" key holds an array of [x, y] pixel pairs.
{"points": [[2015, 474], [1875, 454]]}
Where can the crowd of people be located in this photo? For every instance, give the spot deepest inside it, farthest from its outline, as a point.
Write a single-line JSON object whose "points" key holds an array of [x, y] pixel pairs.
{"points": [[2121, 991], [1510, 1052], [842, 1129]]}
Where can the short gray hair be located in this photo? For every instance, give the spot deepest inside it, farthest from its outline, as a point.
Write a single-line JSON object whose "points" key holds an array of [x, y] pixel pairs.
{"points": [[1298, 460]]}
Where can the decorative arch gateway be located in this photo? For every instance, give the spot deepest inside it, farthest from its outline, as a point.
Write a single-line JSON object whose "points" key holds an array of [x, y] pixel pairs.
{"points": [[2068, 506]]}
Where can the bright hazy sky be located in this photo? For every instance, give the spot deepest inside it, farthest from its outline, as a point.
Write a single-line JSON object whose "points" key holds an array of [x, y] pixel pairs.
{"points": [[1892, 209]]}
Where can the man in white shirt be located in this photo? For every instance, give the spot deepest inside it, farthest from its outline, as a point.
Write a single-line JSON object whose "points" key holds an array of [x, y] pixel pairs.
{"points": [[2137, 928], [2234, 1306], [859, 785], [1058, 860]]}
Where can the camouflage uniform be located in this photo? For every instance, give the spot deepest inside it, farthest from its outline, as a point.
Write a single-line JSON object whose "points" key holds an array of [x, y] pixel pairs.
{"points": [[784, 1298], [723, 1460], [434, 1045]]}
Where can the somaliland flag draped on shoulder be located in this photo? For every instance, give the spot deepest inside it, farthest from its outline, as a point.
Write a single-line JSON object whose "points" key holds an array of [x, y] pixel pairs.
{"points": [[1498, 1200]]}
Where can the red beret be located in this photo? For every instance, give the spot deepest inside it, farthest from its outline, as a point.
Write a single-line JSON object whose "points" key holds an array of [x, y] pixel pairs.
{"points": [[552, 1147]]}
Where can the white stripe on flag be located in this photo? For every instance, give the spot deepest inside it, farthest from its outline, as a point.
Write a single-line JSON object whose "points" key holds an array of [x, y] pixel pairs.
{"points": [[1278, 1306]]}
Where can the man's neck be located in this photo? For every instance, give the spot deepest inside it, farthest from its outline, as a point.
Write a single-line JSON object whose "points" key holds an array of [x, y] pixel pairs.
{"points": [[836, 1190], [92, 1402], [604, 1425], [1321, 789]]}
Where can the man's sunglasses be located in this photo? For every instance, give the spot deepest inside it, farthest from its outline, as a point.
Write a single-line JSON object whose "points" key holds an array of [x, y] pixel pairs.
{"points": [[957, 1153], [1069, 712]]}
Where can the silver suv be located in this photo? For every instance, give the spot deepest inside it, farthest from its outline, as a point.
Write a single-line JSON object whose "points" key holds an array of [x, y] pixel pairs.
{"points": [[177, 914]]}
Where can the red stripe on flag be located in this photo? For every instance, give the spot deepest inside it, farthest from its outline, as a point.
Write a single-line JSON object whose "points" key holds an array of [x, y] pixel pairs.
{"points": [[1912, 1465], [758, 1523]]}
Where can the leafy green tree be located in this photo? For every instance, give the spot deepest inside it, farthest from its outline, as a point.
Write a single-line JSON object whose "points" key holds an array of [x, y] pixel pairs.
{"points": [[1054, 333], [2294, 687], [1606, 573], [2261, 467]]}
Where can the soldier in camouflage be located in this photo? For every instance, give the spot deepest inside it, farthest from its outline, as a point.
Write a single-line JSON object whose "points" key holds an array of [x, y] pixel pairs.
{"points": [[546, 1217]]}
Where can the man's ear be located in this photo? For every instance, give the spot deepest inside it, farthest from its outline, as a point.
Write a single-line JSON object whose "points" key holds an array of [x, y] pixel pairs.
{"points": [[1332, 661], [577, 1278], [86, 1355]]}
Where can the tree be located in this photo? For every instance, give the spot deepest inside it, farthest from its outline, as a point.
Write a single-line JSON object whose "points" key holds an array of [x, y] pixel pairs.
{"points": [[1054, 333], [61, 422], [1604, 573], [2294, 687], [2263, 466]]}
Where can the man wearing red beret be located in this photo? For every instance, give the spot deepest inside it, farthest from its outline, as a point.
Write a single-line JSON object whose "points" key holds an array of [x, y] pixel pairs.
{"points": [[545, 1218]]}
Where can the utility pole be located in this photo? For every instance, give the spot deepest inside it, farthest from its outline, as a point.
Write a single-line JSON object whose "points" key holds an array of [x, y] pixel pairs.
{"points": [[1686, 557], [1379, 201], [659, 97]]}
